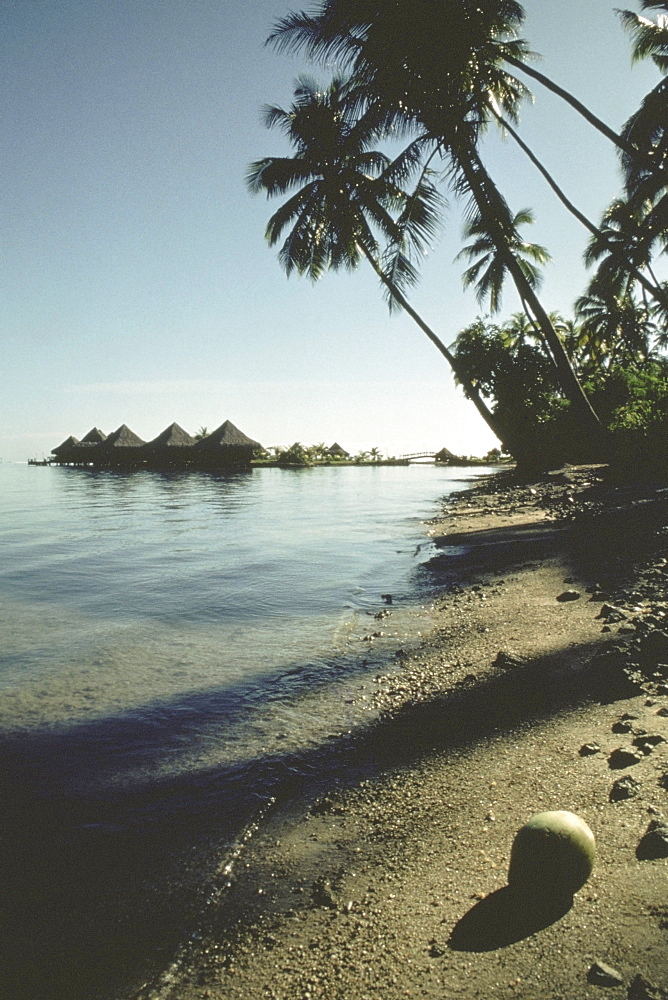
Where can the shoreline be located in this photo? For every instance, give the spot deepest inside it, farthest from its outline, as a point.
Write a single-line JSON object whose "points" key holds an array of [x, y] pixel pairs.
{"points": [[376, 888]]}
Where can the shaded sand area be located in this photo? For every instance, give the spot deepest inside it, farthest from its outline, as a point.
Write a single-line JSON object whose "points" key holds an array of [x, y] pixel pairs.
{"points": [[548, 655]]}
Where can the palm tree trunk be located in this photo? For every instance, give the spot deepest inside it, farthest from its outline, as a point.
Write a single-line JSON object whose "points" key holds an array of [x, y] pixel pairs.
{"points": [[481, 185], [623, 144], [470, 390], [654, 290]]}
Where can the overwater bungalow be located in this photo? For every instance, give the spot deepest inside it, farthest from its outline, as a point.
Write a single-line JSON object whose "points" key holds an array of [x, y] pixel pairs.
{"points": [[122, 448], [73, 452], [94, 436], [173, 448], [225, 448], [64, 451]]}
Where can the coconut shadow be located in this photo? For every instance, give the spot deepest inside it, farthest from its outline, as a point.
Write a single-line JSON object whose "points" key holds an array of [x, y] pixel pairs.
{"points": [[505, 917]]}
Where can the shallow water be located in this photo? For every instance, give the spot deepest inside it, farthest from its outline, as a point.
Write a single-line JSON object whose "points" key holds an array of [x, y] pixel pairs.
{"points": [[124, 593], [174, 649]]}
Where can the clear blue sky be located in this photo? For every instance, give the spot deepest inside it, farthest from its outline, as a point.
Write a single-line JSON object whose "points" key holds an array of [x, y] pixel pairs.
{"points": [[136, 284]]}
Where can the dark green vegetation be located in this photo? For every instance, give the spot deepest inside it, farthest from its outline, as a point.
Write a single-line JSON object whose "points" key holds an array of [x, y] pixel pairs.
{"points": [[628, 390], [299, 455], [433, 75]]}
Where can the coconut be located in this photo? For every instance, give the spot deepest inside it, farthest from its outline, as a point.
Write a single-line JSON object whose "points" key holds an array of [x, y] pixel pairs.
{"points": [[553, 853]]}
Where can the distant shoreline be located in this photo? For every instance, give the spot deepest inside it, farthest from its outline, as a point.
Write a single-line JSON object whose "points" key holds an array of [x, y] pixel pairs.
{"points": [[462, 463]]}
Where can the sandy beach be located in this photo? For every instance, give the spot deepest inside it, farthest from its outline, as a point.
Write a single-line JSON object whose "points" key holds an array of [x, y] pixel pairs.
{"points": [[546, 659]]}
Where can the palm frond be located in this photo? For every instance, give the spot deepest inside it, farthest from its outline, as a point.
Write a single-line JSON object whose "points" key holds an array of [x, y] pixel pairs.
{"points": [[421, 217], [531, 273], [273, 116], [296, 32], [472, 274], [482, 245], [650, 38], [318, 36], [414, 159], [399, 271], [372, 162], [534, 252], [276, 175], [293, 208]]}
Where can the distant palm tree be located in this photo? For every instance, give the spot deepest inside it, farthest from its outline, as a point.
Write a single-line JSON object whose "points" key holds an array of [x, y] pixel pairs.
{"points": [[317, 452], [489, 271], [520, 330], [201, 433], [614, 328], [623, 249]]}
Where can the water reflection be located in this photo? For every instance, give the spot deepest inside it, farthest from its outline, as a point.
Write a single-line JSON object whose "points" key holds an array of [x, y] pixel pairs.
{"points": [[135, 489]]}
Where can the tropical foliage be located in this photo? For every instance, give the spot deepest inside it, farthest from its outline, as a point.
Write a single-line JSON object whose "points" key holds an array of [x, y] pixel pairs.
{"points": [[299, 454], [434, 76], [629, 388]]}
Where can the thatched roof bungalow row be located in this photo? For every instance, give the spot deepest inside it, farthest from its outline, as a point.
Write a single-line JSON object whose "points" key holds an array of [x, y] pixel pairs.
{"points": [[226, 447]]}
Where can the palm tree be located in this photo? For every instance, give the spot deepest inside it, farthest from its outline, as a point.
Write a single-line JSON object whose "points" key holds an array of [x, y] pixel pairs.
{"points": [[647, 129], [473, 42], [489, 271], [442, 91], [439, 41], [650, 37], [614, 328], [604, 237], [497, 219], [623, 143], [520, 330], [634, 153], [623, 248], [318, 452], [345, 192]]}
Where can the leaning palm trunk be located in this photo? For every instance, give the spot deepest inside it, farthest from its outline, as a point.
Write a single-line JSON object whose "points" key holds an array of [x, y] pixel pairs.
{"points": [[652, 288], [507, 438], [481, 186], [628, 148]]}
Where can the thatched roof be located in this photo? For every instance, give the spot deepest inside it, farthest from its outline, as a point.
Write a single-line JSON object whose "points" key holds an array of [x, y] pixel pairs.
{"points": [[444, 455], [123, 437], [172, 437], [69, 443], [94, 436], [336, 449], [226, 436]]}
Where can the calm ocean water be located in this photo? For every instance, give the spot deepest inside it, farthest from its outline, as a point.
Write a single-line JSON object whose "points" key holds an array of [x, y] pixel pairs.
{"points": [[173, 649]]}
